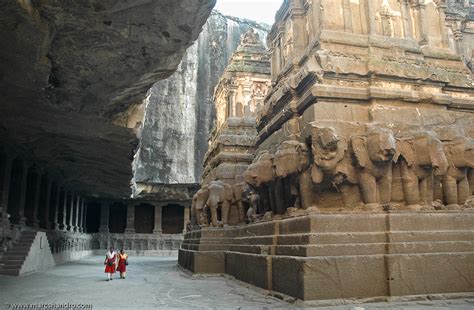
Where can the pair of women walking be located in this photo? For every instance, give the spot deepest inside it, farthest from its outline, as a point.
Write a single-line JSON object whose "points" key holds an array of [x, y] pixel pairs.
{"points": [[115, 262]]}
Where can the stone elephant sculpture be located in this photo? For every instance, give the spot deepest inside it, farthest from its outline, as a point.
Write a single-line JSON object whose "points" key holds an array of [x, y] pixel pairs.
{"points": [[374, 152], [291, 160], [260, 176], [199, 206], [260, 171], [455, 183], [220, 196], [332, 163], [421, 159]]}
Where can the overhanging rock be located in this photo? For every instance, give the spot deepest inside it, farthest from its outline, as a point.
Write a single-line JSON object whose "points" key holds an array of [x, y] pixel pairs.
{"points": [[72, 74]]}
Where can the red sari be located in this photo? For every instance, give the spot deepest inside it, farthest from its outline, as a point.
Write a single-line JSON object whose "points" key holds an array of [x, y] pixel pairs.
{"points": [[122, 267], [110, 261]]}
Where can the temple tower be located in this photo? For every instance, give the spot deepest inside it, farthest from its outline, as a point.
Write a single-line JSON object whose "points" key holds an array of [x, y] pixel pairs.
{"points": [[239, 98]]}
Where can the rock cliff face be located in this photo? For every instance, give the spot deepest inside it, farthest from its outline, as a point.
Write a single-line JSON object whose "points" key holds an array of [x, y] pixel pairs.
{"points": [[180, 112], [71, 73]]}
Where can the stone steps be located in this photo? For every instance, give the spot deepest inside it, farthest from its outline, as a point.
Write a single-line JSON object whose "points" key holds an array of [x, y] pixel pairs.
{"points": [[7, 272], [12, 262], [13, 259], [15, 252]]}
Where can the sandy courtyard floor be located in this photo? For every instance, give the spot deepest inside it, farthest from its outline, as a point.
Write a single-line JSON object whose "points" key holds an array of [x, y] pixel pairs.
{"points": [[155, 283]]}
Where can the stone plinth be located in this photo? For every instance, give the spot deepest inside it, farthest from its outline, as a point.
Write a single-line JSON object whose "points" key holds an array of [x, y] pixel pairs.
{"points": [[342, 256]]}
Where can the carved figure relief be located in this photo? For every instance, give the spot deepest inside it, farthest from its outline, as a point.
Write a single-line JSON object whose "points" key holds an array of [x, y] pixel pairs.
{"points": [[389, 19], [332, 161], [250, 37], [288, 46]]}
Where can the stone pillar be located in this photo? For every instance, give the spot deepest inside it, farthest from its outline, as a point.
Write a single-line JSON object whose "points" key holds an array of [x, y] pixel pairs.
{"points": [[130, 229], [71, 213], [407, 25], [371, 17], [300, 37], [425, 37], [347, 12], [34, 219], [442, 21], [55, 224], [276, 59], [85, 217], [45, 215], [63, 225], [81, 216], [157, 228], [76, 216], [5, 189], [24, 184], [104, 217], [186, 218]]}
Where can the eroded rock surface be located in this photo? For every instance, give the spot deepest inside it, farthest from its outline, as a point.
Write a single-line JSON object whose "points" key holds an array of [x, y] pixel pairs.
{"points": [[72, 72]]}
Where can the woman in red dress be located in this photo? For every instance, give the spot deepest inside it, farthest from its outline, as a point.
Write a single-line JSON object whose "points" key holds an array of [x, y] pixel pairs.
{"points": [[110, 263], [122, 263]]}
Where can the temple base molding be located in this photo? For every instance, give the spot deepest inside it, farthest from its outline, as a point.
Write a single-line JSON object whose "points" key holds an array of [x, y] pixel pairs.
{"points": [[345, 256]]}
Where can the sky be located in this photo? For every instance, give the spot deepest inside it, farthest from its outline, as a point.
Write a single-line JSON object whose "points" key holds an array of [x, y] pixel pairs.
{"points": [[257, 10]]}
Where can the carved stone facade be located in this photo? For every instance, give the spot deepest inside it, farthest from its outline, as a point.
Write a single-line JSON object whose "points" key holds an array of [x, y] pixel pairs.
{"points": [[243, 86], [355, 97], [138, 244], [140, 227], [460, 22], [367, 129]]}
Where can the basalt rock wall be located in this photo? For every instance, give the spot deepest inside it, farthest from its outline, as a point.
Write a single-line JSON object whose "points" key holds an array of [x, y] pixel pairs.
{"points": [[180, 112]]}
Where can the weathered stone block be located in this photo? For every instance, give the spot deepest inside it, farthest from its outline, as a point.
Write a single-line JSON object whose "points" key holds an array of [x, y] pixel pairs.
{"points": [[250, 268]]}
